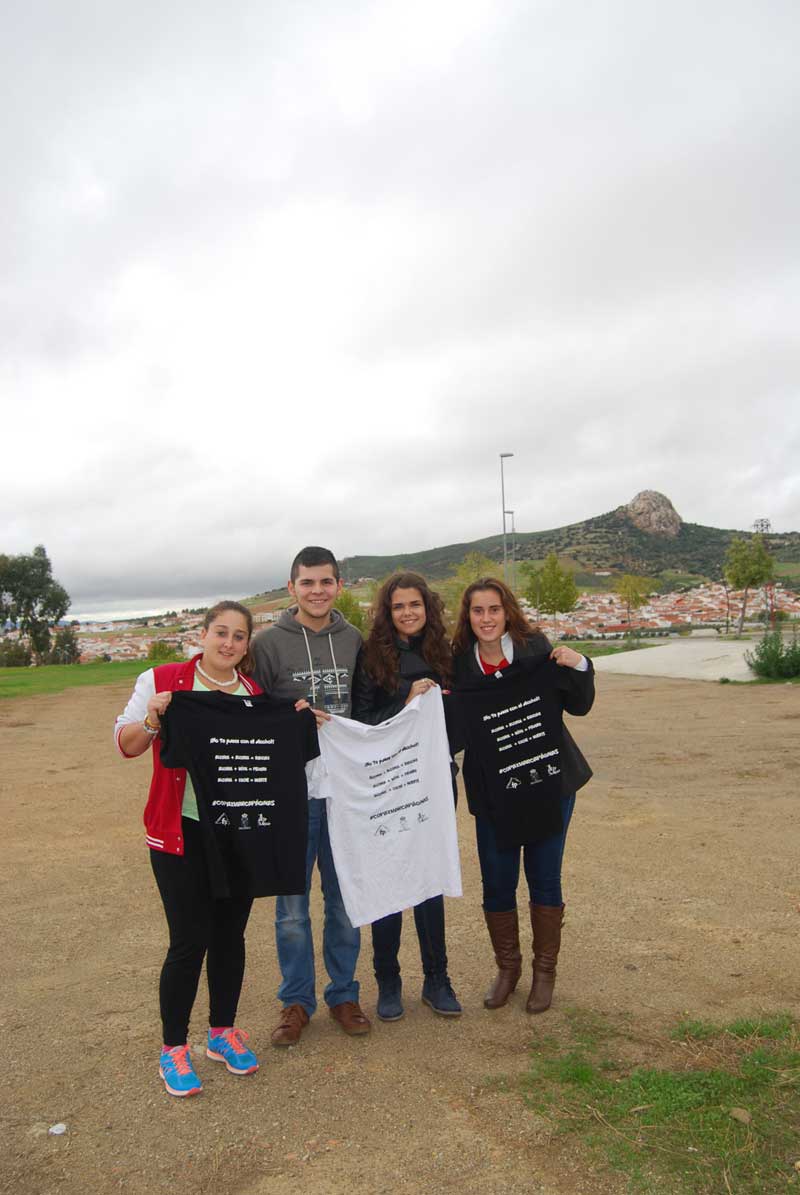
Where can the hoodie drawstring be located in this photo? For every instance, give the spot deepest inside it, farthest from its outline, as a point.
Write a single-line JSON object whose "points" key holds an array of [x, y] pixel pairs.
{"points": [[311, 667], [335, 669]]}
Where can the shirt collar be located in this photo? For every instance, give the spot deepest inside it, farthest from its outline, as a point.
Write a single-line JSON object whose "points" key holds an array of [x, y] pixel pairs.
{"points": [[506, 646]]}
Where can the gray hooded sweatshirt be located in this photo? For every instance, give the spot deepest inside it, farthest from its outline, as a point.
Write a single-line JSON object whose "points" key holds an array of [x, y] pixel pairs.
{"points": [[292, 661]]}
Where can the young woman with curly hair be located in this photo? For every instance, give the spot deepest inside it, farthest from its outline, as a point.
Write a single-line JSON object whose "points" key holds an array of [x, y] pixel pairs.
{"points": [[491, 632], [406, 653]]}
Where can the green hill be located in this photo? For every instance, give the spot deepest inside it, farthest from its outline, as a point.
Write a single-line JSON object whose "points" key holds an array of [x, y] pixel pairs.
{"points": [[647, 536]]}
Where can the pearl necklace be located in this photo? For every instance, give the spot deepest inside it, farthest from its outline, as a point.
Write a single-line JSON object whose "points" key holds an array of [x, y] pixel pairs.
{"points": [[223, 684]]}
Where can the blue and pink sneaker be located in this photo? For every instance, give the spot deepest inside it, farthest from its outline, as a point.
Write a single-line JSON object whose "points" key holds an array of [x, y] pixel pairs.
{"points": [[227, 1045], [175, 1068]]}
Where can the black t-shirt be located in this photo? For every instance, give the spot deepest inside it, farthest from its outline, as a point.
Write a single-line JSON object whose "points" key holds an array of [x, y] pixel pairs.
{"points": [[510, 725], [246, 757]]}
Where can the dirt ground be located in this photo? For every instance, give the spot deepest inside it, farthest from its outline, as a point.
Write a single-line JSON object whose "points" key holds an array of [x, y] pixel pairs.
{"points": [[683, 896]]}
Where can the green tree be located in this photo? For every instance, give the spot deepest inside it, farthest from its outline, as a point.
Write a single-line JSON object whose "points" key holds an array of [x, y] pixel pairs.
{"points": [[473, 567], [65, 649], [775, 659], [14, 654], [31, 598], [161, 652], [551, 588], [531, 577], [348, 606], [634, 591], [747, 564], [727, 589], [5, 590]]}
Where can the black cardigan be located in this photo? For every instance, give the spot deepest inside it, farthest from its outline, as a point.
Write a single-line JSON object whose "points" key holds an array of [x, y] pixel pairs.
{"points": [[576, 695], [372, 703]]}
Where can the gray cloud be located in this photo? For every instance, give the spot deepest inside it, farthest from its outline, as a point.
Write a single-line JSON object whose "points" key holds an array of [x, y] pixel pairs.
{"points": [[288, 273]]}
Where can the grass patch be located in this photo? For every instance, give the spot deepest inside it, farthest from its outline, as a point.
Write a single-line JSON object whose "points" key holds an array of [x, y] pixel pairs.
{"points": [[694, 1031], [54, 678], [719, 1111], [777, 1028], [670, 579], [787, 568], [604, 647], [762, 680]]}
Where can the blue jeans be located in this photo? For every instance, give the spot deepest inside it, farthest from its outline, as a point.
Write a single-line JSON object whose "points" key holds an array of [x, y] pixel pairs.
{"points": [[542, 860], [340, 941]]}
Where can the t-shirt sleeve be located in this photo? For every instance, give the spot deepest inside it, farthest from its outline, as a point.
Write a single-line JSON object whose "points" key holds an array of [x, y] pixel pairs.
{"points": [[454, 722], [317, 779], [309, 740], [171, 750], [576, 688]]}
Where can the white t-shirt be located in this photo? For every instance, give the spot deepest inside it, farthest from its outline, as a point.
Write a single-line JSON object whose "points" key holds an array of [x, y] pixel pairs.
{"points": [[391, 816]]}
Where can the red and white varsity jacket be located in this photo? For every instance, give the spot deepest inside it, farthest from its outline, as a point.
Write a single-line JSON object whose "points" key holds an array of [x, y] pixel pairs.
{"points": [[162, 813]]}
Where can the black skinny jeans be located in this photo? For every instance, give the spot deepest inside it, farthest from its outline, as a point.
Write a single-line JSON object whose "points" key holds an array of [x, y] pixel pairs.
{"points": [[429, 920], [199, 926]]}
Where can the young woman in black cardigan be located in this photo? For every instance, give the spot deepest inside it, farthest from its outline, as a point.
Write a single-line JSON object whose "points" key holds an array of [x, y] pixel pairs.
{"points": [[491, 633], [406, 653]]}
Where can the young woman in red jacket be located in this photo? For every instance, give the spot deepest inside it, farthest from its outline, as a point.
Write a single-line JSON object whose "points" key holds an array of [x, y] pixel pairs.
{"points": [[199, 925]]}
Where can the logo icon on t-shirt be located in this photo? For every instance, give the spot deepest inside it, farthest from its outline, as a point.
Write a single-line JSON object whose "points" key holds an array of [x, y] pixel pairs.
{"points": [[535, 777], [263, 821], [245, 822], [514, 782], [223, 820]]}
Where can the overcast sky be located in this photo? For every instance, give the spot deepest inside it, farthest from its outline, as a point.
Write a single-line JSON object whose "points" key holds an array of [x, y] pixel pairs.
{"points": [[286, 272]]}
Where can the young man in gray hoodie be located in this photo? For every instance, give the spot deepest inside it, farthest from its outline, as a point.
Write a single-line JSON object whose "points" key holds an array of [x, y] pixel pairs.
{"points": [[311, 652]]}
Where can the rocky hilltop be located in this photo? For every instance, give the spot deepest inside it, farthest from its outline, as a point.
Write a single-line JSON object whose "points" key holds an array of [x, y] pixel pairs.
{"points": [[646, 535], [653, 513]]}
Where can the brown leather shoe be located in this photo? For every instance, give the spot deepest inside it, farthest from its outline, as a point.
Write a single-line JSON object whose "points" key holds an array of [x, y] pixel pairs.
{"points": [[546, 922], [294, 1019], [351, 1018], [504, 932]]}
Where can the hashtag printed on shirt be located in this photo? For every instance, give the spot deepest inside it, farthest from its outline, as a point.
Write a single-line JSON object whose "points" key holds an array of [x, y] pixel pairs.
{"points": [[391, 816], [510, 723], [246, 757]]}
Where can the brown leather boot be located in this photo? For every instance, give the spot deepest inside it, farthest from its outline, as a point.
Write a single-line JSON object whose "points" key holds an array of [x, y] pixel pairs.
{"points": [[504, 932], [546, 922]]}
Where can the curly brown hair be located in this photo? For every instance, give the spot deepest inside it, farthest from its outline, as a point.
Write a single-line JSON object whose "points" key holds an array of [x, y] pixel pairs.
{"points": [[381, 654], [517, 625]]}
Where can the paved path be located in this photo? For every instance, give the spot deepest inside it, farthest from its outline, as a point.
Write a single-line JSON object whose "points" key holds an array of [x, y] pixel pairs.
{"points": [[691, 658]]}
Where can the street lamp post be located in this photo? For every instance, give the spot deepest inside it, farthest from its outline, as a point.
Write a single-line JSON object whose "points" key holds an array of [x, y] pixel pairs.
{"points": [[504, 456], [513, 550]]}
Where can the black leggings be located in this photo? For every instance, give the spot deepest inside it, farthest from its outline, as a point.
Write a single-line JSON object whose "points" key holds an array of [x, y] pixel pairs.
{"points": [[199, 926], [429, 920]]}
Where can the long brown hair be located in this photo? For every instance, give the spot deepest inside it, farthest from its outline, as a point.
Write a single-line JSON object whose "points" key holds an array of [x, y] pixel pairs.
{"points": [[517, 625], [381, 654], [245, 665]]}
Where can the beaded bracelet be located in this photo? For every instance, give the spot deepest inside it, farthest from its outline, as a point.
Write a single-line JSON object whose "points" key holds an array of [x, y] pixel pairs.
{"points": [[151, 730]]}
